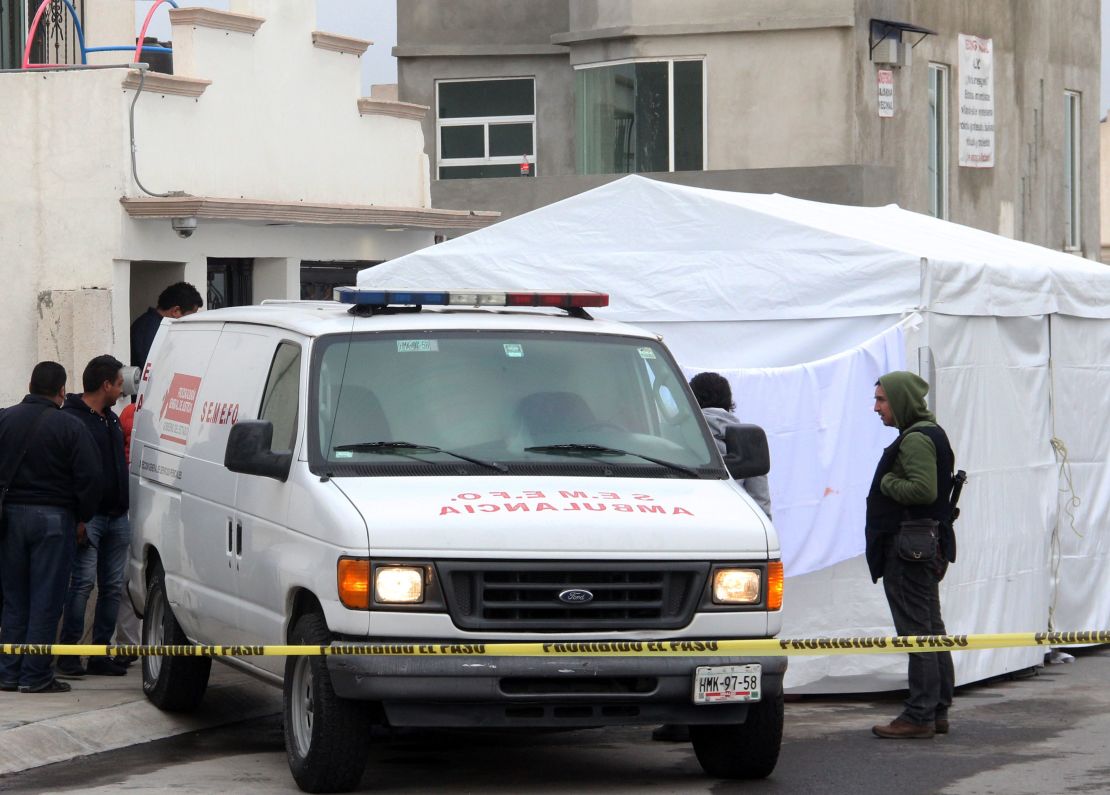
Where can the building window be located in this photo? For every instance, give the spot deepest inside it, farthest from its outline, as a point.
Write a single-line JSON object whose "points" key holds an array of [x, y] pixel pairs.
{"points": [[938, 140], [1072, 158], [485, 128], [230, 282], [641, 116], [320, 278]]}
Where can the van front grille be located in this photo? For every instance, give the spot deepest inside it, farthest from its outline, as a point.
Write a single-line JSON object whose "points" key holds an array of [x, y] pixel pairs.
{"points": [[525, 597]]}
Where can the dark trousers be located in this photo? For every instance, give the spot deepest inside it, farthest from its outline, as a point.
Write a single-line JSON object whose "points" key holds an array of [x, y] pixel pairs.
{"points": [[914, 598], [36, 554]]}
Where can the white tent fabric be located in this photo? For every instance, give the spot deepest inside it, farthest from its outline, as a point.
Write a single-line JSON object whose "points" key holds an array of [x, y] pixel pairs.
{"points": [[819, 412], [740, 281]]}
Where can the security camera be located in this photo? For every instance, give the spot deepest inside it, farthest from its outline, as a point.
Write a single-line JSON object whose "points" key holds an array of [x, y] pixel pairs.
{"points": [[184, 226]]}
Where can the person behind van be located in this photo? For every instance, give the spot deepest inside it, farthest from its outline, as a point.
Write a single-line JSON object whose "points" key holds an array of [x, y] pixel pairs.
{"points": [[714, 395], [54, 484], [102, 559], [176, 301]]}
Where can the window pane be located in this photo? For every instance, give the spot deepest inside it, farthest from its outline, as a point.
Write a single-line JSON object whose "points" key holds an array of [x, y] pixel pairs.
{"points": [[486, 98], [510, 139], [279, 401], [623, 115], [652, 113], [688, 116], [474, 172], [605, 99], [468, 141]]}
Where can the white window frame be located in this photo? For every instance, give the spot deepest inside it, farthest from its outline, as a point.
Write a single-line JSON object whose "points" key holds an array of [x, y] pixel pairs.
{"points": [[670, 60], [1073, 145], [939, 159], [485, 122]]}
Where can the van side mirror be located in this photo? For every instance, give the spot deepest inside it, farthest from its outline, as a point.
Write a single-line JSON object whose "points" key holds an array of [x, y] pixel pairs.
{"points": [[248, 451], [746, 453]]}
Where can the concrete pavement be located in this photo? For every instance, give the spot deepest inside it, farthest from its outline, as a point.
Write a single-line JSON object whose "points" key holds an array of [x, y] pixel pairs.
{"points": [[103, 713]]}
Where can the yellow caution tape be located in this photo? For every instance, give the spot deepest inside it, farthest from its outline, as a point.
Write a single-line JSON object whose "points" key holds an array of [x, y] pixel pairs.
{"points": [[770, 647]]}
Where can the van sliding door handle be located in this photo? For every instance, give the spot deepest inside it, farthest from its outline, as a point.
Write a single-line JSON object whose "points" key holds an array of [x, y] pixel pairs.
{"points": [[229, 547], [239, 539]]}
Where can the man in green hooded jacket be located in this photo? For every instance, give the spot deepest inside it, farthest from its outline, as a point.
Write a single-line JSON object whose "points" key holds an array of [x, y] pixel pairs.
{"points": [[913, 480]]}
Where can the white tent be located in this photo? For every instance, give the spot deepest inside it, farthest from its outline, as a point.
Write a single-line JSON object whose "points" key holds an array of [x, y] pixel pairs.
{"points": [[802, 305]]}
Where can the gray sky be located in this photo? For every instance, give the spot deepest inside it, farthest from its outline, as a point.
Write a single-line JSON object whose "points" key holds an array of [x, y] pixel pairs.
{"points": [[375, 20]]}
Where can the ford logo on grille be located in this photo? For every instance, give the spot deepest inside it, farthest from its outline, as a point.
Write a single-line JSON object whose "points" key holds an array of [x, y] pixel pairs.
{"points": [[574, 596]]}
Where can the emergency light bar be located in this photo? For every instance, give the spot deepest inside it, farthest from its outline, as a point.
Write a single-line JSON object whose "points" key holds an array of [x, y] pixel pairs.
{"points": [[475, 298]]}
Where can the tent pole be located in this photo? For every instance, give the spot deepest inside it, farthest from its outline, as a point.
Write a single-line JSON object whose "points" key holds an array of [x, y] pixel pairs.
{"points": [[926, 367]]}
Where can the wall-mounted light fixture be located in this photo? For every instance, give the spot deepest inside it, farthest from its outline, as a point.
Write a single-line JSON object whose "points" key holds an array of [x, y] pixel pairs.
{"points": [[888, 42]]}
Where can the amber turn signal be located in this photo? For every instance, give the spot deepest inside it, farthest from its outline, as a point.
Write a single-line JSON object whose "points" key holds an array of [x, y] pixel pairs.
{"points": [[774, 585], [354, 583]]}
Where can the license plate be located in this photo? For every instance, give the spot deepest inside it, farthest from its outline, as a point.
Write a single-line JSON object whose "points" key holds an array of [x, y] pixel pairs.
{"points": [[714, 684]]}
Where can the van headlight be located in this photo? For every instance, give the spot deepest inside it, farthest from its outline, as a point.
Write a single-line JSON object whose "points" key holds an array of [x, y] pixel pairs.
{"points": [[399, 585], [736, 586]]}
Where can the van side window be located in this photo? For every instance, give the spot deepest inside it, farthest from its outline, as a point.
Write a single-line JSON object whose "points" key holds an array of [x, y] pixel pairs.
{"points": [[279, 401]]}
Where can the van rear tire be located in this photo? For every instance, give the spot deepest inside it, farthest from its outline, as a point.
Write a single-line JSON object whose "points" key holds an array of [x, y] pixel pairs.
{"points": [[172, 683], [747, 750], [327, 738]]}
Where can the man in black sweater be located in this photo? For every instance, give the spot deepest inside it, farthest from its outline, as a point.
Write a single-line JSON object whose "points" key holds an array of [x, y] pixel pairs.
{"points": [[176, 301], [53, 475], [102, 559]]}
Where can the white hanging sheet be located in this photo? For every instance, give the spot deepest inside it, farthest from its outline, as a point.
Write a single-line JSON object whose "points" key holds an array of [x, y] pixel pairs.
{"points": [[824, 439]]}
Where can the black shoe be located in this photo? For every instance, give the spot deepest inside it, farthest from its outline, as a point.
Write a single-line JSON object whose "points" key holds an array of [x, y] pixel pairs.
{"points": [[105, 666], [69, 668], [124, 659], [8, 687], [671, 733], [53, 686]]}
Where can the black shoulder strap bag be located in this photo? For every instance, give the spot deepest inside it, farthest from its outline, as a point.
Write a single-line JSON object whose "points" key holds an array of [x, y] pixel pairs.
{"points": [[9, 476]]}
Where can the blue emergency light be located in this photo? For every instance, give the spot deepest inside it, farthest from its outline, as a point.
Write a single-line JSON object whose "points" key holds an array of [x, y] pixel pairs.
{"points": [[475, 298]]}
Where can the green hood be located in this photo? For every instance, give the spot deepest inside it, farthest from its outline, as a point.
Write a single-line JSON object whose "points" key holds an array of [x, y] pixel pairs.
{"points": [[906, 393]]}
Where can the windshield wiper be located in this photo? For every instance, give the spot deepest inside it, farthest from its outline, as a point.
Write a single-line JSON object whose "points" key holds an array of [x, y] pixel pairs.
{"points": [[597, 449], [409, 448]]}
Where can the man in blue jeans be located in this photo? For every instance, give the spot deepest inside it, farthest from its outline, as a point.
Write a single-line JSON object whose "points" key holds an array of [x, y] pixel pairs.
{"points": [[102, 556], [53, 482]]}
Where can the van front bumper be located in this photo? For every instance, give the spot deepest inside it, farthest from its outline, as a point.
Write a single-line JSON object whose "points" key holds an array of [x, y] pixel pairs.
{"points": [[570, 692]]}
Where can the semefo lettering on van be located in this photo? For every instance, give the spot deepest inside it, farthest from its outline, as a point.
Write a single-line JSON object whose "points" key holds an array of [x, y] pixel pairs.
{"points": [[533, 501], [177, 407], [217, 412]]}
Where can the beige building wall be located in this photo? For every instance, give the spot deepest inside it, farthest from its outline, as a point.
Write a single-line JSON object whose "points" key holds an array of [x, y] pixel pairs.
{"points": [[791, 84]]}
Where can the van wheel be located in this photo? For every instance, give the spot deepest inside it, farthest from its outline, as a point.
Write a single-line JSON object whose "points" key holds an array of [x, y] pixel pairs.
{"points": [[745, 750], [327, 738], [173, 684]]}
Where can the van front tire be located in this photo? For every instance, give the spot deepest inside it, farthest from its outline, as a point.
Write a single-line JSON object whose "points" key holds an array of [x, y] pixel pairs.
{"points": [[746, 750], [172, 683], [327, 738]]}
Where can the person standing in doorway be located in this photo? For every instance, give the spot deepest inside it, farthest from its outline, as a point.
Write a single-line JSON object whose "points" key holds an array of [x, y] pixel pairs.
{"points": [[176, 301], [102, 558], [913, 481], [53, 489]]}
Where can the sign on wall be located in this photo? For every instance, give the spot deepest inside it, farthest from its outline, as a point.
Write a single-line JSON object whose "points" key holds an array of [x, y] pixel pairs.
{"points": [[976, 102], [886, 93]]}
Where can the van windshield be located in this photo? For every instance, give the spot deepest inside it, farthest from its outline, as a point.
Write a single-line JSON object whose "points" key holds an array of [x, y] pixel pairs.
{"points": [[489, 402]]}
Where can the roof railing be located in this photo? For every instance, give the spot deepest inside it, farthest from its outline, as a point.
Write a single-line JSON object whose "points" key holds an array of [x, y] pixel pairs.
{"points": [[137, 47]]}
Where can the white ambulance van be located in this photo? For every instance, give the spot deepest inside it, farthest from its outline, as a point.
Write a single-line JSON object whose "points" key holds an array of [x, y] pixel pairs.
{"points": [[437, 471]]}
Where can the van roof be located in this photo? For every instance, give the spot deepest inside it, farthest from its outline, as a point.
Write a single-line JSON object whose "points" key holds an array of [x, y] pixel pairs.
{"points": [[316, 318]]}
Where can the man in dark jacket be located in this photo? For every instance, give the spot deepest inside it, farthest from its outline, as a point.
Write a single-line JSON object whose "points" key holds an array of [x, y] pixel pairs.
{"points": [[56, 485], [913, 480], [176, 301], [102, 558]]}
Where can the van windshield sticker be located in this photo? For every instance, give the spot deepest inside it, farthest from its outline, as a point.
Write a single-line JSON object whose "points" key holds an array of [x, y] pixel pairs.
{"points": [[647, 353], [344, 454], [417, 346], [513, 350]]}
